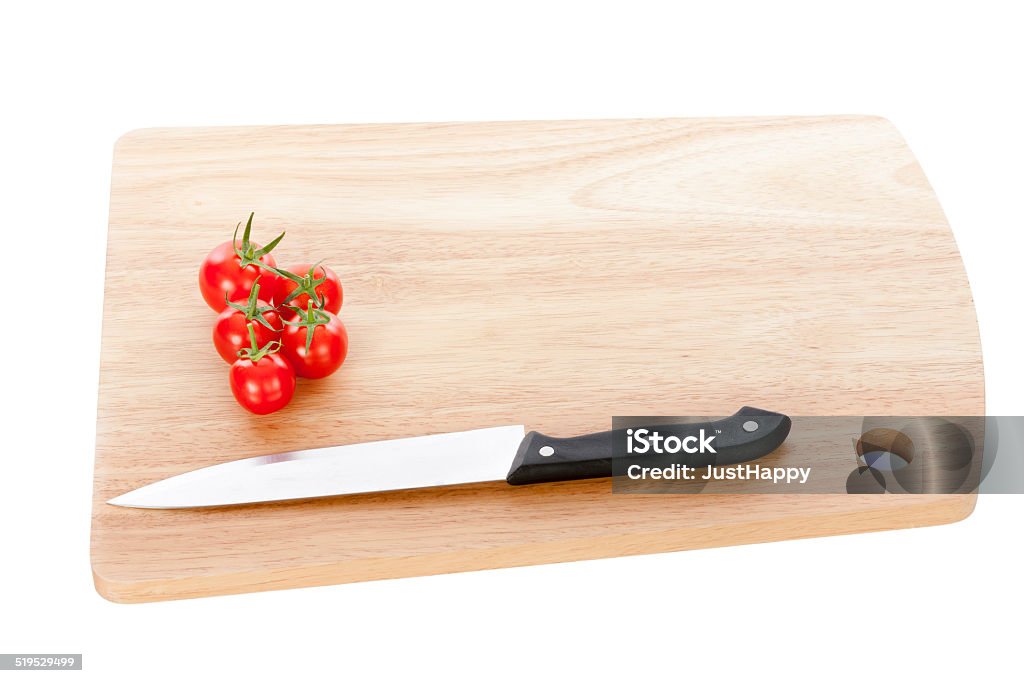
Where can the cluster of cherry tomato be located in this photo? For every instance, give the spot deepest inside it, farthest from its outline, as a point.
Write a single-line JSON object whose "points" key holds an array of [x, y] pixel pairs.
{"points": [[273, 325]]}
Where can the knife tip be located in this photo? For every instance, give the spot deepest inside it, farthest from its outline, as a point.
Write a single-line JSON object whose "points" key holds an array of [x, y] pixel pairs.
{"points": [[126, 500]]}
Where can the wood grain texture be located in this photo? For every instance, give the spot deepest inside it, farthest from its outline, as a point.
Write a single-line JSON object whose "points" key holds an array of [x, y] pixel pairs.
{"points": [[547, 273]]}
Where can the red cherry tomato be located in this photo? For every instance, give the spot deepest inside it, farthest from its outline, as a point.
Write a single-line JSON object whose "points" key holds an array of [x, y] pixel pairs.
{"points": [[264, 385], [231, 336], [329, 291], [229, 271], [323, 353], [231, 333]]}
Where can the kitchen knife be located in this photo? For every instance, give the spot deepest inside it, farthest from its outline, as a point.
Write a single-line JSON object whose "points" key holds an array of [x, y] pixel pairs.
{"points": [[444, 460]]}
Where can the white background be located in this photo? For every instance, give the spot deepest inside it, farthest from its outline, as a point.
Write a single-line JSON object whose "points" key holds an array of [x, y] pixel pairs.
{"points": [[943, 602]]}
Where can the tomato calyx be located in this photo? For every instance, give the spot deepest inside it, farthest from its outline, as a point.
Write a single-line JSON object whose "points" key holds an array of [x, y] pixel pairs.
{"points": [[254, 353], [311, 318], [251, 308], [306, 284], [248, 254]]}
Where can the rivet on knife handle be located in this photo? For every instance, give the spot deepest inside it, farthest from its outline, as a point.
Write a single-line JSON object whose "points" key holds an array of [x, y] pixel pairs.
{"points": [[749, 434]]}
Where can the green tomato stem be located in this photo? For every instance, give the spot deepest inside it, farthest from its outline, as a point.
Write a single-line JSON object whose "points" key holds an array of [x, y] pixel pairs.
{"points": [[248, 254], [311, 318], [251, 309], [307, 284], [254, 353]]}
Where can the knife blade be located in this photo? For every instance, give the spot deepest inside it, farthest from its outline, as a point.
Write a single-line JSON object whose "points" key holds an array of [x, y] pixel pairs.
{"points": [[478, 455]]}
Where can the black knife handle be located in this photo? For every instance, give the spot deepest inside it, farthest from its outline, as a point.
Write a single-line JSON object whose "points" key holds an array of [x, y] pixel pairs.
{"points": [[749, 434]]}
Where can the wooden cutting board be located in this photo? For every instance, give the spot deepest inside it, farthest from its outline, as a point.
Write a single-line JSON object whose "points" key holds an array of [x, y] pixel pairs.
{"points": [[550, 273]]}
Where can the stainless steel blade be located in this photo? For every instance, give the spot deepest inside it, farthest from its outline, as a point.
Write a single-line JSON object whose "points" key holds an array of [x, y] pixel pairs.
{"points": [[416, 462]]}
